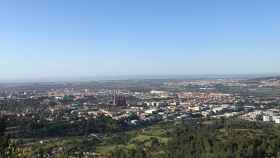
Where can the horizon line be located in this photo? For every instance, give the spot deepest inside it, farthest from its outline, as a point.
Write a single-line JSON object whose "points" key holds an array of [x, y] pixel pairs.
{"points": [[135, 77]]}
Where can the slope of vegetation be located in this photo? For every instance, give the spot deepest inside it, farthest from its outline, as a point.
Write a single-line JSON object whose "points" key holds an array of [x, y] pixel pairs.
{"points": [[219, 139], [187, 139]]}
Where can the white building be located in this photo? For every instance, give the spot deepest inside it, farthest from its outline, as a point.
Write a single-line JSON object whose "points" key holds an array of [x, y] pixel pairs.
{"points": [[266, 118]]}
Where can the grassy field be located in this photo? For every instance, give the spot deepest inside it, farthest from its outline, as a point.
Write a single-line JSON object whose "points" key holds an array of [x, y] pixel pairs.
{"points": [[133, 138]]}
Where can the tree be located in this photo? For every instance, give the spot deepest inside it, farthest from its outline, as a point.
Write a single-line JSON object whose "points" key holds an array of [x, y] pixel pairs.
{"points": [[4, 139]]}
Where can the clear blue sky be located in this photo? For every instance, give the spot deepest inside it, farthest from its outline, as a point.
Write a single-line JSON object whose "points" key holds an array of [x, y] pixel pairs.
{"points": [[73, 38]]}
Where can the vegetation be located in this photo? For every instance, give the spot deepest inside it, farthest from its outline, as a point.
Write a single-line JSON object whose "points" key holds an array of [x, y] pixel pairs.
{"points": [[217, 139], [7, 148], [207, 139]]}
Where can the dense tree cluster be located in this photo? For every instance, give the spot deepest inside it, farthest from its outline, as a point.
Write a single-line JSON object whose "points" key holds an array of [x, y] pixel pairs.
{"points": [[7, 148], [41, 128], [220, 139], [21, 105]]}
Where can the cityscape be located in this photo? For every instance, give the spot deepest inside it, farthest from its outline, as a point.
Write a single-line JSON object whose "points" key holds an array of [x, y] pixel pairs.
{"points": [[48, 111], [139, 79]]}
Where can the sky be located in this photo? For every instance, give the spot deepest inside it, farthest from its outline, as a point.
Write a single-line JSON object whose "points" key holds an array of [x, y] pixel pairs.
{"points": [[83, 38]]}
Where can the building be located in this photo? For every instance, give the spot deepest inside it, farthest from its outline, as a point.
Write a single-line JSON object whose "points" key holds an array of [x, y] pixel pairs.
{"points": [[119, 100], [266, 118]]}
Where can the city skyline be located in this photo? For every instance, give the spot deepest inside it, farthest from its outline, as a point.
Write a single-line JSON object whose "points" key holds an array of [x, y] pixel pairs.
{"points": [[70, 39]]}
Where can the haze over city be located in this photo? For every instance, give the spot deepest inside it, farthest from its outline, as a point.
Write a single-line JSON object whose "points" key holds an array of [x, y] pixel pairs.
{"points": [[72, 39], [139, 79]]}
